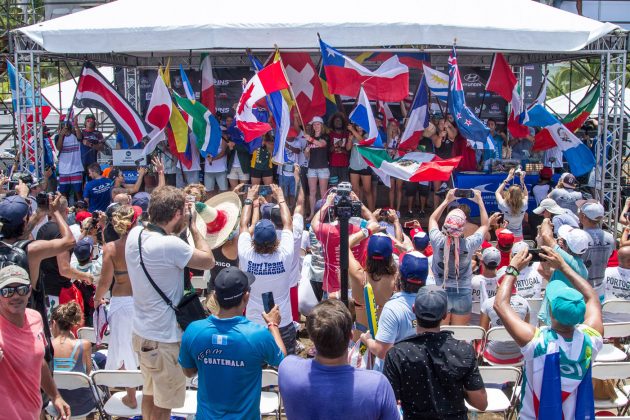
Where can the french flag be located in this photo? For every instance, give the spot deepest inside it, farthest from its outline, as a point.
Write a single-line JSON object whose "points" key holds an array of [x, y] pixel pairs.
{"points": [[268, 80], [363, 116], [94, 91], [388, 83], [417, 120]]}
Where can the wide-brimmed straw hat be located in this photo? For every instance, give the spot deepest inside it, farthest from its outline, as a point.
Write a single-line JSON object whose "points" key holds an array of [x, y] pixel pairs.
{"points": [[220, 215]]}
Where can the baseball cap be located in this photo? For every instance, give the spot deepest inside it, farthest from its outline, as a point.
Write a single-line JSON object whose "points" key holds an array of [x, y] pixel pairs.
{"points": [[550, 205], [577, 239], [264, 232], [317, 120], [80, 205], [83, 249], [592, 209], [141, 200], [567, 304], [546, 173], [14, 209], [379, 247], [505, 238], [568, 180], [231, 283], [519, 246], [414, 267], [13, 274], [420, 240], [430, 304], [81, 216], [491, 257]]}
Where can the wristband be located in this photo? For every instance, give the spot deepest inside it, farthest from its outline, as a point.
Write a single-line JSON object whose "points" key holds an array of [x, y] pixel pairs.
{"points": [[363, 224], [281, 202], [365, 232], [247, 202], [511, 270], [272, 324]]}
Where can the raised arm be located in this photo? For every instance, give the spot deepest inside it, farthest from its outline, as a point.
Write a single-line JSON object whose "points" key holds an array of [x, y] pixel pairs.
{"points": [[158, 164], [107, 274], [593, 314], [202, 257], [132, 189], [522, 332], [502, 185], [299, 202], [483, 214], [285, 213], [437, 213], [246, 213], [546, 233]]}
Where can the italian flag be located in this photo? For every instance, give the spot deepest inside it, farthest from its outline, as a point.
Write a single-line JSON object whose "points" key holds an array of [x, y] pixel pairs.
{"points": [[413, 167], [573, 121]]}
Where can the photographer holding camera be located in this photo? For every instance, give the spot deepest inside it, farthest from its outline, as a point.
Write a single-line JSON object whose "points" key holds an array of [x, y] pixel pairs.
{"points": [[513, 202], [325, 224]]}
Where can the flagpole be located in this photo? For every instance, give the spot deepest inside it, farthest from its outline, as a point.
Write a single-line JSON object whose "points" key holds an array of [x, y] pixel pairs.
{"points": [[485, 91]]}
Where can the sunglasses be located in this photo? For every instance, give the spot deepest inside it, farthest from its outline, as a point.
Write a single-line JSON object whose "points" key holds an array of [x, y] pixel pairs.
{"points": [[21, 290]]}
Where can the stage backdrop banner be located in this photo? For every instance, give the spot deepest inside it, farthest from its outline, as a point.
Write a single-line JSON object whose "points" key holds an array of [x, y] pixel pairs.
{"points": [[488, 184]]}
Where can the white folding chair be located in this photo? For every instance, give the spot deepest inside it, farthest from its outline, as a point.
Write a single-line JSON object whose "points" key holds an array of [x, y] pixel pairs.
{"points": [[618, 306], [499, 334], [616, 371], [70, 381], [498, 402], [610, 353], [270, 401], [189, 409], [88, 334], [119, 379], [465, 332]]}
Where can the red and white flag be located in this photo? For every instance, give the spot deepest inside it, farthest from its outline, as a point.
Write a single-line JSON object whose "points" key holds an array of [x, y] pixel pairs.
{"points": [[208, 96], [305, 84], [158, 113], [94, 91], [268, 80], [503, 82]]}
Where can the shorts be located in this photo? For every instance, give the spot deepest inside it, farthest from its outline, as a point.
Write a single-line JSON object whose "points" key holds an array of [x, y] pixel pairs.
{"points": [[287, 183], [192, 177], [339, 174], [319, 173], [258, 173], [163, 376], [362, 172], [411, 188], [459, 302], [210, 179], [70, 182], [237, 173]]}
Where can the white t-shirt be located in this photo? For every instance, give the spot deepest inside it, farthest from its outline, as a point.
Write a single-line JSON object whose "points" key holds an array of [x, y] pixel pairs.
{"points": [[515, 221], [296, 266], [488, 286], [218, 165], [70, 156], [528, 285], [617, 286], [76, 231], [165, 257], [273, 274], [540, 192], [504, 350]]}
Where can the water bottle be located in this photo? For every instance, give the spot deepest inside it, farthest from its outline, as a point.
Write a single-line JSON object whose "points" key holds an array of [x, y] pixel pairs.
{"points": [[357, 221]]}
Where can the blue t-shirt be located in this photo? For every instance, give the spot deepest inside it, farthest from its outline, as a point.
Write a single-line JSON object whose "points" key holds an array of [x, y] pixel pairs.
{"points": [[497, 153], [99, 193], [126, 144], [397, 320], [228, 355], [314, 391]]}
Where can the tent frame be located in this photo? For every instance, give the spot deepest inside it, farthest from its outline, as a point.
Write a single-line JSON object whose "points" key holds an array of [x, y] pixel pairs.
{"points": [[611, 50]]}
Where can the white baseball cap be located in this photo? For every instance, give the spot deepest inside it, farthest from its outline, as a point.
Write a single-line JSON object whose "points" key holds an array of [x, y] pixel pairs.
{"points": [[550, 205], [491, 257], [519, 246], [317, 120], [577, 239], [592, 209]]}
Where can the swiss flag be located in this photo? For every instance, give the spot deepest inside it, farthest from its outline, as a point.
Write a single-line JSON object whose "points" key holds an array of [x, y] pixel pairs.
{"points": [[305, 84]]}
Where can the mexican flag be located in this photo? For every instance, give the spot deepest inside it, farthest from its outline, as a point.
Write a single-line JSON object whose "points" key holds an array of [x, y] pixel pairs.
{"points": [[573, 121], [414, 166]]}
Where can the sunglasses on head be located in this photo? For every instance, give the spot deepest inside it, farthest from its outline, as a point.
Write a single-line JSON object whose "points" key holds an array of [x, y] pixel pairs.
{"points": [[21, 290]]}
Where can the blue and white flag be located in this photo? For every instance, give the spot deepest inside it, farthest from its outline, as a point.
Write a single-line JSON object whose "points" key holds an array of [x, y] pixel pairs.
{"points": [[190, 93], [363, 116], [417, 118], [437, 82], [467, 122], [579, 157]]}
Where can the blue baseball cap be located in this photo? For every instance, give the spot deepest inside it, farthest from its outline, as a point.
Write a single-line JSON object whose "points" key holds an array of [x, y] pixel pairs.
{"points": [[14, 209], [264, 232], [414, 267], [379, 247], [430, 304], [420, 241], [567, 304], [83, 249], [142, 200]]}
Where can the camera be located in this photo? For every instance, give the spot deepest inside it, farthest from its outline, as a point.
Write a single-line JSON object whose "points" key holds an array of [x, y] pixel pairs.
{"points": [[25, 177], [344, 207], [42, 199]]}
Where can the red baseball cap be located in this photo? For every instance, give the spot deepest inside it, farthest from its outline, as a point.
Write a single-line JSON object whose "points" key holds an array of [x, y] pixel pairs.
{"points": [[81, 216], [505, 238]]}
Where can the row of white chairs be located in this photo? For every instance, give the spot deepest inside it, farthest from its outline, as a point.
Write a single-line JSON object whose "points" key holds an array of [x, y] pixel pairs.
{"points": [[110, 405]]}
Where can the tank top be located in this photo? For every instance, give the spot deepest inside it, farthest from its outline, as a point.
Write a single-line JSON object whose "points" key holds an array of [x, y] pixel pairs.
{"points": [[220, 262], [319, 155], [81, 401]]}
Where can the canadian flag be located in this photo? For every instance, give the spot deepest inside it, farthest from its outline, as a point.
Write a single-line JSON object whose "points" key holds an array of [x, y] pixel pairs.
{"points": [[305, 84]]}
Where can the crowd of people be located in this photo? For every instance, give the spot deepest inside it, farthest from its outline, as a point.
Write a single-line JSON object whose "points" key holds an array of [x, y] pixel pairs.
{"points": [[269, 250]]}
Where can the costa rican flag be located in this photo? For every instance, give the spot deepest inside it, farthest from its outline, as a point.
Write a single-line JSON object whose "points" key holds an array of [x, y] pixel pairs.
{"points": [[94, 91]]}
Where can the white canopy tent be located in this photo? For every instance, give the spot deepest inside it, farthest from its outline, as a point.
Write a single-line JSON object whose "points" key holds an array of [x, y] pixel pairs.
{"points": [[563, 106], [136, 26]]}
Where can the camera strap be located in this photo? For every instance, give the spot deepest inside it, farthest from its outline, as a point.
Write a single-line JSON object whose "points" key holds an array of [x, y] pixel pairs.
{"points": [[146, 273]]}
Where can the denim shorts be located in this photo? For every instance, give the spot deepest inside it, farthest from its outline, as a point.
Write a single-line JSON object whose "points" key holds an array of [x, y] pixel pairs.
{"points": [[321, 173], [287, 183], [459, 301]]}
